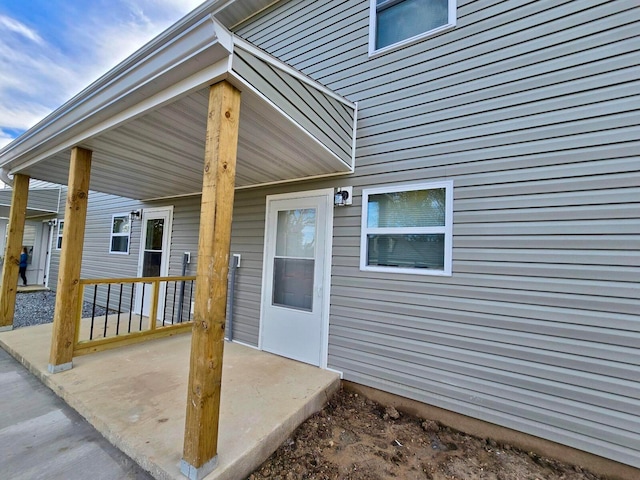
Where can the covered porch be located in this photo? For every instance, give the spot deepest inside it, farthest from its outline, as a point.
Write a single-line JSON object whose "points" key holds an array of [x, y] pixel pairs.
{"points": [[196, 112], [135, 396]]}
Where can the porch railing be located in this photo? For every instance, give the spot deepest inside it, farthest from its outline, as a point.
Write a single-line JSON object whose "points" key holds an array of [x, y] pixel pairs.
{"points": [[125, 311]]}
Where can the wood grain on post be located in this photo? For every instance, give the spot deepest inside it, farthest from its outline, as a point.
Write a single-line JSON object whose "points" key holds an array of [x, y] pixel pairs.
{"points": [[207, 344], [13, 249], [75, 216]]}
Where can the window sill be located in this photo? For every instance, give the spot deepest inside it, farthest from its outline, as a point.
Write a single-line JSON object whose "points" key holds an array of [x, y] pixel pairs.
{"points": [[410, 271]]}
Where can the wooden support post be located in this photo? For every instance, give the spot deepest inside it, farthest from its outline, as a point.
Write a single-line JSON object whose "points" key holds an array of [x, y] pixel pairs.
{"points": [[67, 301], [13, 249], [207, 343]]}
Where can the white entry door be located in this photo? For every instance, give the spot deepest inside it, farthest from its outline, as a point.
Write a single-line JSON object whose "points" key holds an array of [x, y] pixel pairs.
{"points": [[296, 278], [154, 256]]}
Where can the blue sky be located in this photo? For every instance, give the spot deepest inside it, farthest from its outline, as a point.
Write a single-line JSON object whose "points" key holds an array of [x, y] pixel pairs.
{"points": [[52, 49]]}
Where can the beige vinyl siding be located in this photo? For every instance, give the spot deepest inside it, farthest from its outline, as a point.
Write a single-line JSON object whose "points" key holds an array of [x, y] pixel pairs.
{"points": [[531, 108]]}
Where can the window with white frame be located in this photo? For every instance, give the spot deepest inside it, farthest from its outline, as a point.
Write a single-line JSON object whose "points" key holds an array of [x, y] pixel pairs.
{"points": [[59, 236], [407, 229], [399, 22], [120, 233]]}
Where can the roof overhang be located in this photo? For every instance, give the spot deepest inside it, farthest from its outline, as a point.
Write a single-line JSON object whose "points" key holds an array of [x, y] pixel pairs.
{"points": [[42, 202], [145, 120]]}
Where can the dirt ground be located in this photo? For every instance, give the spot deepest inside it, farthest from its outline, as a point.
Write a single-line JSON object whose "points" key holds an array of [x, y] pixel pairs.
{"points": [[354, 438]]}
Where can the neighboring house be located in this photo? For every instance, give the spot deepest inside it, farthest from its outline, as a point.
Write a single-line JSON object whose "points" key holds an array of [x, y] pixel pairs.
{"points": [[488, 262], [42, 210]]}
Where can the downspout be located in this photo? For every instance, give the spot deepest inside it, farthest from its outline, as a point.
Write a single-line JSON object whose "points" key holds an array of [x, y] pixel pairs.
{"points": [[186, 259], [47, 267], [231, 290]]}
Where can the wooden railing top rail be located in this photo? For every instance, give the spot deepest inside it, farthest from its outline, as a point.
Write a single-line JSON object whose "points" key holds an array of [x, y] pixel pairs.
{"points": [[100, 281]]}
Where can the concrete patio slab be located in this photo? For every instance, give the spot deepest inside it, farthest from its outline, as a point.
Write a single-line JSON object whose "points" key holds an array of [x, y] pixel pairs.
{"points": [[135, 396]]}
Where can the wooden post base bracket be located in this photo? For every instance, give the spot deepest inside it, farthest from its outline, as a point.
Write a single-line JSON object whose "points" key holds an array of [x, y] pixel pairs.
{"points": [[60, 368], [198, 473]]}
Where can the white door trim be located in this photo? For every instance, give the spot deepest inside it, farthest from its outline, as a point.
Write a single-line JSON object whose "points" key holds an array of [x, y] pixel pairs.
{"points": [[166, 247], [328, 194]]}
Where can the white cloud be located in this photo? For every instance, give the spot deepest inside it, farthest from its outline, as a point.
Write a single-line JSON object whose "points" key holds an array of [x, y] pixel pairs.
{"points": [[37, 76], [5, 139], [33, 76], [12, 25]]}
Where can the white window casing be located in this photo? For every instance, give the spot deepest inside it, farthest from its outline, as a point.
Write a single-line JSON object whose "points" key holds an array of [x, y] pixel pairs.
{"points": [[120, 237], [398, 246], [422, 26]]}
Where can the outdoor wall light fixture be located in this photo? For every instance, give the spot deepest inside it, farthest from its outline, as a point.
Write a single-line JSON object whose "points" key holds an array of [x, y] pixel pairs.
{"points": [[53, 222], [343, 196], [135, 214]]}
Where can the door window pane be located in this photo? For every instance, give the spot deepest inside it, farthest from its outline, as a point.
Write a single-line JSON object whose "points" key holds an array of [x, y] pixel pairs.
{"points": [[151, 264], [293, 283], [296, 233], [155, 229]]}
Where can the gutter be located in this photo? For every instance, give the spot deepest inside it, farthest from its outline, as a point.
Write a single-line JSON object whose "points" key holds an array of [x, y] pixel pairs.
{"points": [[5, 178], [154, 51]]}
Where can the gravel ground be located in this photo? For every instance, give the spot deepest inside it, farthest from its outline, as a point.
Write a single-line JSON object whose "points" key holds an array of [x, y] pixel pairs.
{"points": [[36, 308]]}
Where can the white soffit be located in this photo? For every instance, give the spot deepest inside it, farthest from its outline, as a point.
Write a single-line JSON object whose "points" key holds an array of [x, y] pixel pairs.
{"points": [[145, 122]]}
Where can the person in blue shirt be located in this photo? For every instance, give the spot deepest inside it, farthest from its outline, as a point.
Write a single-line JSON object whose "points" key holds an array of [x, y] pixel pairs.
{"points": [[24, 259]]}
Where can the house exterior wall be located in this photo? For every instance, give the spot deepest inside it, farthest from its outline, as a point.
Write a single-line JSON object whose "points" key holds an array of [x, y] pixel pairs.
{"points": [[45, 199], [530, 107], [97, 262]]}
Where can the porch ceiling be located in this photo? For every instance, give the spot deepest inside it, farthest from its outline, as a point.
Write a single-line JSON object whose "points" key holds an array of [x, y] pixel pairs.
{"points": [[145, 121]]}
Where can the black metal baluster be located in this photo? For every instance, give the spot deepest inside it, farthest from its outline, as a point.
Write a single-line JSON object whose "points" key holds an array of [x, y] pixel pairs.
{"points": [[173, 308], [164, 303], [190, 297], [142, 306], [131, 305], [119, 310], [106, 313]]}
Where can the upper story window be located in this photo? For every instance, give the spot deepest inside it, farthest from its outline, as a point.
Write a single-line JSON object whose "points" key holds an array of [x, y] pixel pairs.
{"points": [[395, 23], [408, 229], [120, 233]]}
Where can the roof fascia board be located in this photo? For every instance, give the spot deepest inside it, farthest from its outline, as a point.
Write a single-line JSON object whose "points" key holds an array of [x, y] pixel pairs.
{"points": [[204, 42]]}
